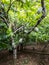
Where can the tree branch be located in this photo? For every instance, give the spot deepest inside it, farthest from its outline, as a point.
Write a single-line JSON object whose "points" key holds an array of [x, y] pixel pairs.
{"points": [[2, 10], [43, 13], [18, 29], [41, 18], [10, 5], [5, 21]]}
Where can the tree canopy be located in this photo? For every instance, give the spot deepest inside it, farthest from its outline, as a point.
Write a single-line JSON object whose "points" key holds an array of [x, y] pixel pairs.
{"points": [[23, 20]]}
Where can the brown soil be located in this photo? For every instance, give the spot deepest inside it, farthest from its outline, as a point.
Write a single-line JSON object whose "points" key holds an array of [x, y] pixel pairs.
{"points": [[24, 58]]}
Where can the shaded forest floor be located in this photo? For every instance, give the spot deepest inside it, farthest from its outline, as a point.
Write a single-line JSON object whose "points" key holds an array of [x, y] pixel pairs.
{"points": [[24, 58]]}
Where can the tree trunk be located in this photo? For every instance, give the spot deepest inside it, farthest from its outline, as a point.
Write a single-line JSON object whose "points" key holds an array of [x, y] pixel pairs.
{"points": [[14, 53], [21, 47], [14, 48]]}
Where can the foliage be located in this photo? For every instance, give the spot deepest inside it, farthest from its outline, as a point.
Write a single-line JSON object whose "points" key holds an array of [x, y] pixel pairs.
{"points": [[22, 13]]}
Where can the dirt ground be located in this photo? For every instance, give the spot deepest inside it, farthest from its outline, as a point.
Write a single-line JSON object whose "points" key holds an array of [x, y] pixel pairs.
{"points": [[24, 58]]}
